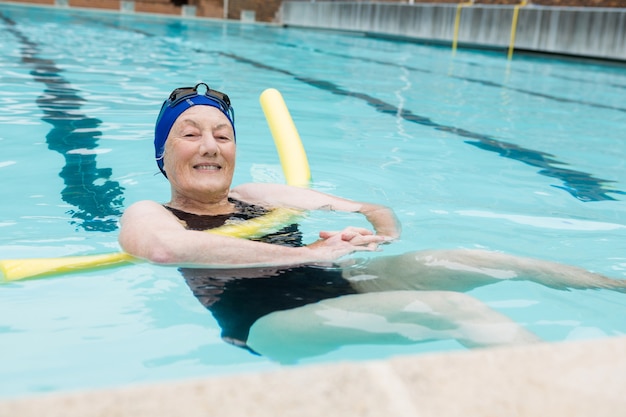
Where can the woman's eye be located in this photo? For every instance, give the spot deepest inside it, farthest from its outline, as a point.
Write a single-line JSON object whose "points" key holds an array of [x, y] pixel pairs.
{"points": [[224, 136]]}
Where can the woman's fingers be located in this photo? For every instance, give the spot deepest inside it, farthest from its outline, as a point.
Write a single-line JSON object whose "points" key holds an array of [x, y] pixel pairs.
{"points": [[359, 237], [348, 232], [326, 234]]}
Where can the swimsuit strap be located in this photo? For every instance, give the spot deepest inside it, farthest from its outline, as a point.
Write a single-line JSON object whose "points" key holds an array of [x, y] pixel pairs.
{"points": [[243, 211]]}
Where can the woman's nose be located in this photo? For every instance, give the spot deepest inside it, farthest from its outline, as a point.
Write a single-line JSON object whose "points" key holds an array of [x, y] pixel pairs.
{"points": [[208, 145]]}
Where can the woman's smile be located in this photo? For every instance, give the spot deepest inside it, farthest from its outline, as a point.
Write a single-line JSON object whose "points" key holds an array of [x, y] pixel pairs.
{"points": [[208, 167]]}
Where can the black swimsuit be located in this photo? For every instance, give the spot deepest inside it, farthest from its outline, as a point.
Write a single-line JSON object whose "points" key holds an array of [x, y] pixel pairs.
{"points": [[238, 297]]}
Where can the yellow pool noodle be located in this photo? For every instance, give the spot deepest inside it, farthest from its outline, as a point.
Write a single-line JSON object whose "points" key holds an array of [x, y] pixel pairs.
{"points": [[288, 144], [295, 167]]}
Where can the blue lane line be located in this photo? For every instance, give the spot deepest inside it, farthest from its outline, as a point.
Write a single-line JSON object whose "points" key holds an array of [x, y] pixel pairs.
{"points": [[478, 81], [97, 207], [581, 185]]}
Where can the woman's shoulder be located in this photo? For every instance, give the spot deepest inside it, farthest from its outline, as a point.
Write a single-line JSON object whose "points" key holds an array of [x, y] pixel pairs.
{"points": [[145, 215], [143, 208], [146, 204], [264, 194], [257, 188]]}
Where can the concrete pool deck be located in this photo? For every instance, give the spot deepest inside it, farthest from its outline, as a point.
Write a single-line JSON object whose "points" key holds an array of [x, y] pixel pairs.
{"points": [[582, 378]]}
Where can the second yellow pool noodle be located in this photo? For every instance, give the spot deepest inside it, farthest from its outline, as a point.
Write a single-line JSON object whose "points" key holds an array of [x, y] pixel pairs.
{"points": [[295, 167], [288, 144]]}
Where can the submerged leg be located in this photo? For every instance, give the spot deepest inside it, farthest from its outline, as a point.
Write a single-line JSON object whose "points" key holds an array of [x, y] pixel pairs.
{"points": [[390, 317], [465, 269]]}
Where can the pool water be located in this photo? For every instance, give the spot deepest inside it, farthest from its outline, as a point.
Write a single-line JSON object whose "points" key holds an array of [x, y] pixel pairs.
{"points": [[525, 157]]}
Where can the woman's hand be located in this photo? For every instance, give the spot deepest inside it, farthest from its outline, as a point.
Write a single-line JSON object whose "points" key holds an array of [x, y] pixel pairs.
{"points": [[361, 238], [334, 245]]}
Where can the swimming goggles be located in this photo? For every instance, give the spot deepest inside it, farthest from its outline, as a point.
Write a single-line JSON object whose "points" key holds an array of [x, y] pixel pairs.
{"points": [[183, 93]]}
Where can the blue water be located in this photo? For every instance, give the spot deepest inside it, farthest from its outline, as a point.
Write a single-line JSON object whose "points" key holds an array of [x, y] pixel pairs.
{"points": [[525, 157]]}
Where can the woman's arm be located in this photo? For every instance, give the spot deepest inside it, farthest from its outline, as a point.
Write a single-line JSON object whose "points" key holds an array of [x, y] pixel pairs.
{"points": [[151, 232], [382, 218]]}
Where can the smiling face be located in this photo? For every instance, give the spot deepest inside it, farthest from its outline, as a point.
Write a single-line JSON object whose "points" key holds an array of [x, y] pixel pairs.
{"points": [[199, 158]]}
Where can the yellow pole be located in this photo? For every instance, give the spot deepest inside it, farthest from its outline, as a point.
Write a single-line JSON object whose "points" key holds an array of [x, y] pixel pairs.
{"points": [[457, 23], [514, 28]]}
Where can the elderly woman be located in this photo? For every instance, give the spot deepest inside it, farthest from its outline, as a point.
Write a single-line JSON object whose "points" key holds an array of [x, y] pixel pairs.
{"points": [[243, 282]]}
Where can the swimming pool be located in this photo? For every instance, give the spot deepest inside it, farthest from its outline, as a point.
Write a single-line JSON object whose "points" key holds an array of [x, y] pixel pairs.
{"points": [[524, 157]]}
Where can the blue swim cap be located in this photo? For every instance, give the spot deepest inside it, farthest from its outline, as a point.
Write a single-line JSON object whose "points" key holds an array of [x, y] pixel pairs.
{"points": [[180, 100]]}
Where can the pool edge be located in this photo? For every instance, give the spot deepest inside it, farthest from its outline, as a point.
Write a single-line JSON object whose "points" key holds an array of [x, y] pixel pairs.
{"points": [[578, 378]]}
